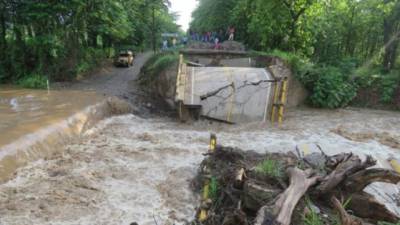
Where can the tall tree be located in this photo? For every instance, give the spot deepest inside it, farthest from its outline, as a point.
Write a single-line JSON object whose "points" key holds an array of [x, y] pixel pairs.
{"points": [[391, 31]]}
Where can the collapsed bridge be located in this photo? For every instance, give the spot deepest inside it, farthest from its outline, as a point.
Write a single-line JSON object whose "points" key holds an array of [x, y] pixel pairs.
{"points": [[231, 86]]}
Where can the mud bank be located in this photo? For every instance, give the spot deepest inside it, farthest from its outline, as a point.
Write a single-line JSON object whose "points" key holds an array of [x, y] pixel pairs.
{"points": [[50, 139], [128, 169]]}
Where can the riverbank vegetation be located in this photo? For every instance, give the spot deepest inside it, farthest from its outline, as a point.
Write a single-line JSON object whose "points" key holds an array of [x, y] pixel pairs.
{"points": [[157, 64], [342, 50], [58, 41]]}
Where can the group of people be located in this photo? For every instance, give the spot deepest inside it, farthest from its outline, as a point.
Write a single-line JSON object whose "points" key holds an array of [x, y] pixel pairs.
{"points": [[213, 37], [173, 42], [210, 37]]}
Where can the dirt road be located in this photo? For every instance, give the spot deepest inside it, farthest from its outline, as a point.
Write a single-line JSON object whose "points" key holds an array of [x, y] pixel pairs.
{"points": [[131, 169], [113, 81]]}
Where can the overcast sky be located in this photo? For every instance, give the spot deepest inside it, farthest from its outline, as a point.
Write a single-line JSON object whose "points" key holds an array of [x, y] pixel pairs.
{"points": [[184, 8]]}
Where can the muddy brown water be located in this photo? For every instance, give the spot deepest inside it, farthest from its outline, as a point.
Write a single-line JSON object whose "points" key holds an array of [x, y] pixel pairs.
{"points": [[129, 169], [37, 123], [24, 111]]}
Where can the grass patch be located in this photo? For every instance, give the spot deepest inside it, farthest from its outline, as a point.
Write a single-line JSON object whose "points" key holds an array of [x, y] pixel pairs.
{"points": [[156, 65], [270, 167], [313, 217]]}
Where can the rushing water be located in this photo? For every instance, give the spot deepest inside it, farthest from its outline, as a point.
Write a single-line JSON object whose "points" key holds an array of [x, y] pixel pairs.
{"points": [[129, 169], [25, 111]]}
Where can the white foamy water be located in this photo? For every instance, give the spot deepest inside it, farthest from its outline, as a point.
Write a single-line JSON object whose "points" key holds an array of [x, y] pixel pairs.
{"points": [[128, 169]]}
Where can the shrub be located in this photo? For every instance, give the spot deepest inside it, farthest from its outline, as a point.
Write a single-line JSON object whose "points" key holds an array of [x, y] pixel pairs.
{"points": [[388, 85], [347, 65], [90, 59], [83, 67], [35, 81], [329, 87]]}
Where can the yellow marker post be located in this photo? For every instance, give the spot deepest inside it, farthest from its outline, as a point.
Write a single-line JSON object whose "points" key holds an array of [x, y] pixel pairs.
{"points": [[395, 164], [305, 149], [283, 100], [213, 143], [276, 98], [203, 212], [206, 188]]}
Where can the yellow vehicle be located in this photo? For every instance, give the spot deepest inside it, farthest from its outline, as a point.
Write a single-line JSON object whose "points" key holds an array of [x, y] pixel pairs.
{"points": [[124, 58]]}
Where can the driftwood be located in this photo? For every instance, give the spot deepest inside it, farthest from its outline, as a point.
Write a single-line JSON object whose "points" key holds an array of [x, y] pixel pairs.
{"points": [[348, 165], [360, 180], [345, 218], [300, 181], [365, 205], [241, 174], [244, 195], [257, 195]]}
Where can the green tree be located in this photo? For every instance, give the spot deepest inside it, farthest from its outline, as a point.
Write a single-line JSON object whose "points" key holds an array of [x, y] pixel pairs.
{"points": [[59, 39]]}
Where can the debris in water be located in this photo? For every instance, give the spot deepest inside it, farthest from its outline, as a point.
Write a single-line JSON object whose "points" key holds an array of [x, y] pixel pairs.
{"points": [[273, 186]]}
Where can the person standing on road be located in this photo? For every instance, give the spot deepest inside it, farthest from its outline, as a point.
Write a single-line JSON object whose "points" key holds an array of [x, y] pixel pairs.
{"points": [[165, 45], [217, 45], [231, 34], [174, 42]]}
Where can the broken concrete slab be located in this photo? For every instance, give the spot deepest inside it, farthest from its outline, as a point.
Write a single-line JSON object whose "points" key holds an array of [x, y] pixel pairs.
{"points": [[232, 94]]}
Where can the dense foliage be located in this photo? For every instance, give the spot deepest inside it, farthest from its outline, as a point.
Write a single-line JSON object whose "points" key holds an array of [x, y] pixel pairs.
{"points": [[59, 39], [334, 45]]}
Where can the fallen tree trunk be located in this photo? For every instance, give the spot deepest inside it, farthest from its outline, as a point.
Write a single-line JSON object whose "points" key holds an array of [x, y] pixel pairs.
{"points": [[350, 164], [365, 205], [360, 180], [300, 181]]}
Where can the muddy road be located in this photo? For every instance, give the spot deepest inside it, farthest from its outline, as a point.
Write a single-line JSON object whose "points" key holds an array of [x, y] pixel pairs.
{"points": [[134, 169], [112, 81]]}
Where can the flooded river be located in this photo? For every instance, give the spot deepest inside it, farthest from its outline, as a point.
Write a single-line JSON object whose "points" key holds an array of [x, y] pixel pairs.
{"points": [[35, 124], [24, 111], [130, 169]]}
